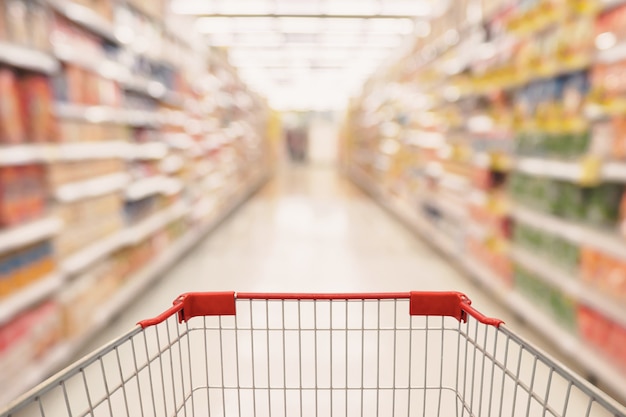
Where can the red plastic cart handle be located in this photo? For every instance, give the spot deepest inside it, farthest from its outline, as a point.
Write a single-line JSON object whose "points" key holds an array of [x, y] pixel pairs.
{"points": [[194, 304]]}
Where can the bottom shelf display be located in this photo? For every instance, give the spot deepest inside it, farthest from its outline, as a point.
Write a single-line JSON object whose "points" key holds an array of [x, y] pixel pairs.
{"points": [[578, 332], [48, 336]]}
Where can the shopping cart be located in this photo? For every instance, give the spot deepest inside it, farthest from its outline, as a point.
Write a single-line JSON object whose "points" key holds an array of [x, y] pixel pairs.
{"points": [[305, 355]]}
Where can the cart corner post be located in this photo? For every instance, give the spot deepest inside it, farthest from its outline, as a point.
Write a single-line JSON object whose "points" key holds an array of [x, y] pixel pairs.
{"points": [[450, 303], [194, 304]]}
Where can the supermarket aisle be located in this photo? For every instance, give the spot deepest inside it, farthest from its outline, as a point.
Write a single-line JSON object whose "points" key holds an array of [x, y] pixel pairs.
{"points": [[307, 230]]}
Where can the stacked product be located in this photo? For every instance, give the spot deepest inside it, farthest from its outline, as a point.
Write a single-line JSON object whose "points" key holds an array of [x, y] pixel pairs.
{"points": [[510, 117], [107, 143]]}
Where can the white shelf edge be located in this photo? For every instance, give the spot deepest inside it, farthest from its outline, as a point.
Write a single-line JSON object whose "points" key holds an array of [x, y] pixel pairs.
{"points": [[92, 62], [80, 260], [154, 223], [172, 164], [565, 170], [11, 155], [85, 17], [146, 187], [614, 171], [29, 295], [148, 151], [571, 285], [92, 187], [60, 355], [27, 58], [33, 231], [604, 241], [107, 114], [568, 170]]}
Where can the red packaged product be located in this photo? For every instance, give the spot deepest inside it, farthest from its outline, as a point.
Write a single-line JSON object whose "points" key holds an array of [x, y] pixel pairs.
{"points": [[9, 196], [75, 81], [593, 327], [37, 104], [617, 342], [11, 126]]}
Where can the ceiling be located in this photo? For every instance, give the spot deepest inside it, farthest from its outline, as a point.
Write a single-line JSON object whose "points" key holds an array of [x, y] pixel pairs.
{"points": [[309, 54]]}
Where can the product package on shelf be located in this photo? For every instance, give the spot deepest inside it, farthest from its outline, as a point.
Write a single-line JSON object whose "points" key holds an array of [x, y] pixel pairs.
{"points": [[88, 221], [25, 266], [28, 338], [23, 194]]}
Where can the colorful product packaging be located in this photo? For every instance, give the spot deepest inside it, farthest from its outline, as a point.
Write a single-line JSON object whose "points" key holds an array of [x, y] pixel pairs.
{"points": [[11, 124]]}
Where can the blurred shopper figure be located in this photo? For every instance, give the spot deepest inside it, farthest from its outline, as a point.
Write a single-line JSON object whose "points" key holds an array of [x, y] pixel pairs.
{"points": [[297, 143]]}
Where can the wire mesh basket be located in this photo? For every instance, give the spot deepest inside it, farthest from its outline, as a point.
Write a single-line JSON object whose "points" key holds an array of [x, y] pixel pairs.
{"points": [[310, 355]]}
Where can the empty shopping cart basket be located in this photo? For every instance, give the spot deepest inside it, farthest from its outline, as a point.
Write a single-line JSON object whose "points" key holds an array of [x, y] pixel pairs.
{"points": [[306, 355]]}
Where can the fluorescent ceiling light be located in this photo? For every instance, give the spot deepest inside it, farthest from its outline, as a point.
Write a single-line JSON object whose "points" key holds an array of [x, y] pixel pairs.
{"points": [[349, 6], [391, 26], [344, 25], [296, 6], [214, 25], [192, 7], [244, 7], [406, 7], [300, 24]]}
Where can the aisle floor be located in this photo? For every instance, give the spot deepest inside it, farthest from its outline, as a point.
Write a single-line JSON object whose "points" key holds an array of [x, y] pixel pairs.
{"points": [[307, 230]]}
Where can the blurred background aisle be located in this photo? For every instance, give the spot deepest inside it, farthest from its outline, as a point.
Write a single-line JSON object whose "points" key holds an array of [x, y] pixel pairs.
{"points": [[131, 131]]}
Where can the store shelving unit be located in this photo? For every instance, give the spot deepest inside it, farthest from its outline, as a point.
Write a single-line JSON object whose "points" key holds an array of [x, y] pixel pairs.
{"points": [[32, 231], [528, 123], [571, 346], [122, 167], [27, 58], [67, 351]]}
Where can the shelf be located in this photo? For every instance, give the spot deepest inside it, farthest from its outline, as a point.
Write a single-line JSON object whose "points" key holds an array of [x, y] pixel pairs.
{"points": [[574, 171], [562, 170], [93, 187], [34, 231], [407, 214], [606, 241], [152, 185], [28, 296], [172, 164], [446, 206], [107, 114], [180, 141], [148, 151], [572, 285], [154, 223], [87, 150], [569, 344], [86, 257], [92, 62], [11, 155], [67, 351], [614, 171], [85, 17], [154, 89], [27, 58]]}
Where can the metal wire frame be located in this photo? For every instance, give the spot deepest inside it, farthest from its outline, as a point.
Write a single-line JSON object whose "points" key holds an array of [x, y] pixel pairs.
{"points": [[305, 358]]}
